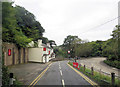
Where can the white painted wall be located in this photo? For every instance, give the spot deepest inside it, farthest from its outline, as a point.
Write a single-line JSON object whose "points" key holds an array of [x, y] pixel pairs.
{"points": [[35, 54]]}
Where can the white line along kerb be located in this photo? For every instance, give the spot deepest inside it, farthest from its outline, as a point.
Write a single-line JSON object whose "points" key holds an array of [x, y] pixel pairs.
{"points": [[63, 83]]}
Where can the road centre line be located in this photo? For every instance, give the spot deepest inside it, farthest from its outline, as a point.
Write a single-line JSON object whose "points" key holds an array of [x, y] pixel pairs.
{"points": [[38, 78], [63, 83], [86, 78], [59, 67], [61, 72]]}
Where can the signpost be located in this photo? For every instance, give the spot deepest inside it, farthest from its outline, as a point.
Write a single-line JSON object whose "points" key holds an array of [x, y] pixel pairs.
{"points": [[69, 54], [9, 52]]}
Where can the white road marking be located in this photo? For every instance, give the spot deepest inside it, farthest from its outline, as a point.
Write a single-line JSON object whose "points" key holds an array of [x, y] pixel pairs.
{"points": [[61, 72], [63, 83], [59, 67]]}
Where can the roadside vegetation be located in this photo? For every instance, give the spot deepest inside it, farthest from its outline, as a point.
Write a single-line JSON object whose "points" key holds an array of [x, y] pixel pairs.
{"points": [[84, 48], [101, 79], [6, 76]]}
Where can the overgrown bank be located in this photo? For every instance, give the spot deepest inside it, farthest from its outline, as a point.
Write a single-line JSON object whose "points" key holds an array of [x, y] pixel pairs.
{"points": [[115, 63]]}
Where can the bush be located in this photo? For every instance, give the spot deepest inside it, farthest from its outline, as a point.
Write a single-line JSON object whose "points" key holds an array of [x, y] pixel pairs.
{"points": [[5, 76], [115, 63]]}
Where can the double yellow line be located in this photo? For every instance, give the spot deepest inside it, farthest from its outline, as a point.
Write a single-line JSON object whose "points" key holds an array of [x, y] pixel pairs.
{"points": [[39, 77], [86, 78]]}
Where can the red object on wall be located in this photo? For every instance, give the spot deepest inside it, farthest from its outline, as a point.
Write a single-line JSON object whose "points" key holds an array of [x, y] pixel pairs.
{"points": [[44, 49], [9, 52], [75, 64], [49, 52]]}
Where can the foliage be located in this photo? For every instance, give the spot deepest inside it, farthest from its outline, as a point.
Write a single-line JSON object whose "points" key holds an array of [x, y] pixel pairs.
{"points": [[10, 27], [19, 26], [52, 42], [28, 24], [70, 43], [97, 77], [60, 52], [113, 63], [5, 75], [84, 50], [8, 22]]}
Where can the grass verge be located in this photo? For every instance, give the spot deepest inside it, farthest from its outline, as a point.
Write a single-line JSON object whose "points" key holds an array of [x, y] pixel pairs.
{"points": [[99, 78]]}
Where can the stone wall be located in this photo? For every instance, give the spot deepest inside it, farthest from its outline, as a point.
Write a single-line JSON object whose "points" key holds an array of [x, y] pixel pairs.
{"points": [[18, 55]]}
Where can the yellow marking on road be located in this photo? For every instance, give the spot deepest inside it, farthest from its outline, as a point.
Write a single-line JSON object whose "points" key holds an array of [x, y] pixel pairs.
{"points": [[38, 78], [86, 78]]}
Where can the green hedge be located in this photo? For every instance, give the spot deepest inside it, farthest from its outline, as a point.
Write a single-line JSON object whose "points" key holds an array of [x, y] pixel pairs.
{"points": [[115, 63]]}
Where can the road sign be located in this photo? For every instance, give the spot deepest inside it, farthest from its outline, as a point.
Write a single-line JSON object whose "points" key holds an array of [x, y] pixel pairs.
{"points": [[9, 52], [75, 64]]}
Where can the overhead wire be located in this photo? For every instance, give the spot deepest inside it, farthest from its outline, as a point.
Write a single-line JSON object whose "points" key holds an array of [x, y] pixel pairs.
{"points": [[100, 25]]}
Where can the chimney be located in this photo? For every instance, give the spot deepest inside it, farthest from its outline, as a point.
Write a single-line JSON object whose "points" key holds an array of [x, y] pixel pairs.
{"points": [[48, 44], [39, 43]]}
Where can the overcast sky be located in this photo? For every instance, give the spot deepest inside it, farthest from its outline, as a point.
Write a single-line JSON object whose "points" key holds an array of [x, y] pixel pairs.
{"points": [[61, 18]]}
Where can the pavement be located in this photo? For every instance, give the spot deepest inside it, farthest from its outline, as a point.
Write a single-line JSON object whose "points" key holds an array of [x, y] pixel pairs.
{"points": [[25, 73]]}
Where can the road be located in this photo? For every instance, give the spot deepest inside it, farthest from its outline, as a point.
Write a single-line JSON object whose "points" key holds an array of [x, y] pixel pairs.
{"points": [[97, 63], [59, 73]]}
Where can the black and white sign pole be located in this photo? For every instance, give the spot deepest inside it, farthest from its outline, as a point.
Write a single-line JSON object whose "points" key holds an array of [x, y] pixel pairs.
{"points": [[11, 79]]}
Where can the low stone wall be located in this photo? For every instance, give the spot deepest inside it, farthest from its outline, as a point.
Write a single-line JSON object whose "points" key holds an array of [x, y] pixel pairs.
{"points": [[18, 55]]}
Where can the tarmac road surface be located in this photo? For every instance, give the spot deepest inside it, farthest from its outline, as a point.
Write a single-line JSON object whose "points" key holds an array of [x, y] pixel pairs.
{"points": [[60, 73]]}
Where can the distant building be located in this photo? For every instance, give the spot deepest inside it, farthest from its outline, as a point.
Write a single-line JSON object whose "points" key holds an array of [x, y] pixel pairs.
{"points": [[42, 53]]}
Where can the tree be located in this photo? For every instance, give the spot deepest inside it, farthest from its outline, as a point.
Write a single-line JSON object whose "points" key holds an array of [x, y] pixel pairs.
{"points": [[52, 42], [11, 31], [44, 40], [28, 24], [8, 22], [70, 43]]}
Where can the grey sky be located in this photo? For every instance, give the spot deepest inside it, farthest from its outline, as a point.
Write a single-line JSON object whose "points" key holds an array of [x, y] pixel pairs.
{"points": [[60, 18]]}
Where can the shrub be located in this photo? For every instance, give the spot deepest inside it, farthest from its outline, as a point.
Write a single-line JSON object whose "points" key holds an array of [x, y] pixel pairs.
{"points": [[5, 76]]}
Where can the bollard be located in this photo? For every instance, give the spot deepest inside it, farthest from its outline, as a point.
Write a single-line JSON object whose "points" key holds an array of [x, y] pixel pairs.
{"points": [[84, 68], [100, 73], [11, 79], [113, 78], [92, 71]]}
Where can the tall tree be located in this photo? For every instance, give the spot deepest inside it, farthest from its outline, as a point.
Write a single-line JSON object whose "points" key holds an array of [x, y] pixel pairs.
{"points": [[10, 30], [28, 24], [8, 22]]}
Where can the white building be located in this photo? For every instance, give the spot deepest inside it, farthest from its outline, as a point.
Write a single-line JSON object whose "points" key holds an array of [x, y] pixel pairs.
{"points": [[42, 53]]}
